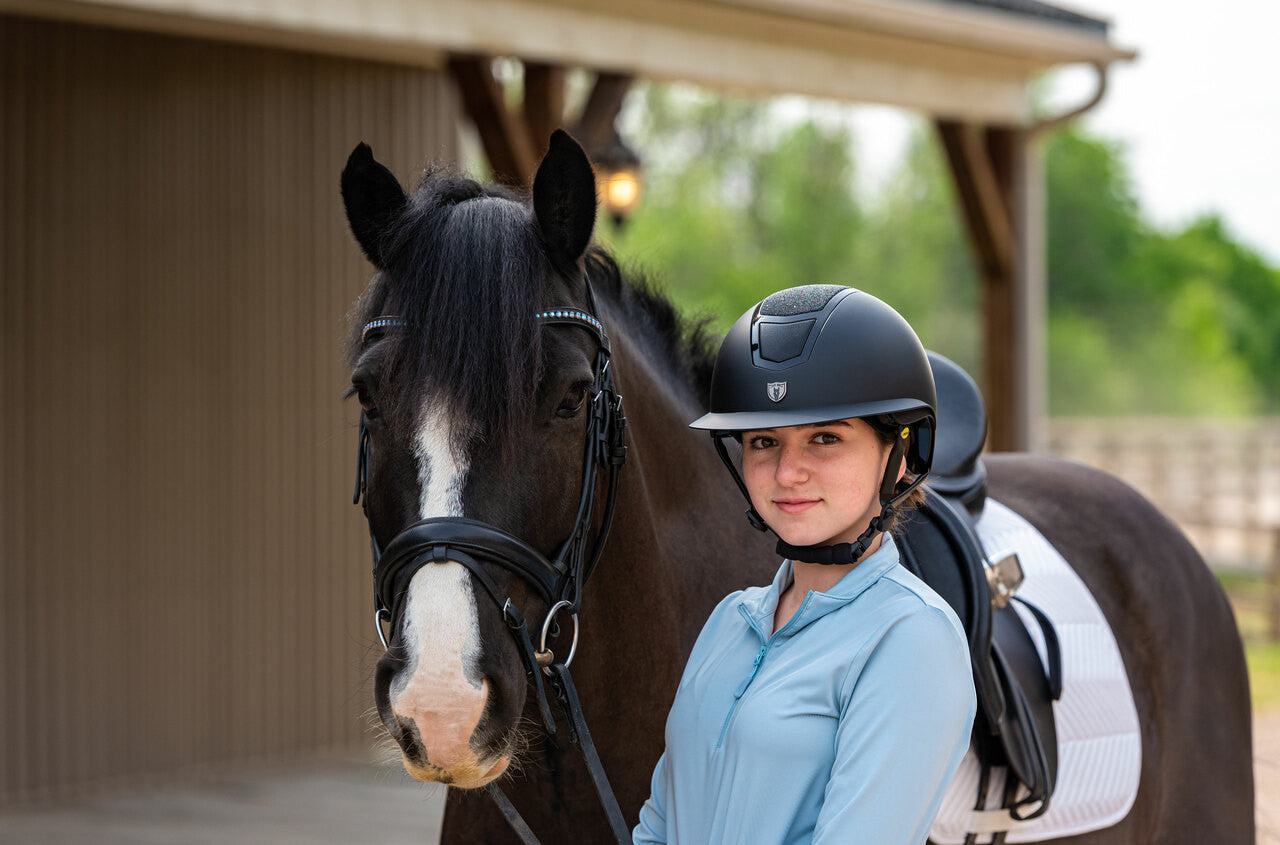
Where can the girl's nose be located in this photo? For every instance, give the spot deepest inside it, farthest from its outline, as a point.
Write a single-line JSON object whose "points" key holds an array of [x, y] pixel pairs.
{"points": [[792, 468]]}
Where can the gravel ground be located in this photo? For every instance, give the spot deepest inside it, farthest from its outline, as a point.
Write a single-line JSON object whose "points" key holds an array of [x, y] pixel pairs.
{"points": [[334, 801]]}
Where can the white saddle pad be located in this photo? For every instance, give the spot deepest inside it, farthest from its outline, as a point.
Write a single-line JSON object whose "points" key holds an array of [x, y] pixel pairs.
{"points": [[1099, 747]]}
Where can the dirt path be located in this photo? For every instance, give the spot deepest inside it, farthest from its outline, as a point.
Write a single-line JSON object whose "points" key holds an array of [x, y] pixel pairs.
{"points": [[1266, 773]]}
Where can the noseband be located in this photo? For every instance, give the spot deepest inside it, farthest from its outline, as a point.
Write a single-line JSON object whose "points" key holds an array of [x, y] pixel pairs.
{"points": [[558, 581]]}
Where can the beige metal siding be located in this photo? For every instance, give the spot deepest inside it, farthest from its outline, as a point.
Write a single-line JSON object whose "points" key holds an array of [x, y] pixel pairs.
{"points": [[184, 578]]}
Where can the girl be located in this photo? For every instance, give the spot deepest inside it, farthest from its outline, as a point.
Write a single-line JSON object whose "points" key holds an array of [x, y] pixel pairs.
{"points": [[835, 704]]}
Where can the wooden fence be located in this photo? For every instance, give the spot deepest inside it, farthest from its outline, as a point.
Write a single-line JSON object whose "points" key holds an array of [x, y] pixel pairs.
{"points": [[1219, 479]]}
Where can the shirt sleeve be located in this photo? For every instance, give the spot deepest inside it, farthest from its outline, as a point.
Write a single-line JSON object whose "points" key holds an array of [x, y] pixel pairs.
{"points": [[902, 734], [653, 815]]}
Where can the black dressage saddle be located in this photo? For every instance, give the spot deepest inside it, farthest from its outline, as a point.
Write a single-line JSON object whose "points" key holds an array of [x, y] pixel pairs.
{"points": [[1014, 727]]}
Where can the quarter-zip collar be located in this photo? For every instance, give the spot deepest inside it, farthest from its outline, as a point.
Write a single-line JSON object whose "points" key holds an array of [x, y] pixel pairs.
{"points": [[758, 606]]}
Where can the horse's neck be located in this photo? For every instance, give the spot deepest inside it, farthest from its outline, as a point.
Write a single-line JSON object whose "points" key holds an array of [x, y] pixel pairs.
{"points": [[679, 543], [680, 528]]}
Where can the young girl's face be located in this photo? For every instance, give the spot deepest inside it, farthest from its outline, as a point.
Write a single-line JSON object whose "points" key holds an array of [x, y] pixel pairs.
{"points": [[815, 485]]}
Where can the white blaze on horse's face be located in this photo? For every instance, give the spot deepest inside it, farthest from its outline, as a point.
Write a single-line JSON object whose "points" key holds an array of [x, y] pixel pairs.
{"points": [[440, 689]]}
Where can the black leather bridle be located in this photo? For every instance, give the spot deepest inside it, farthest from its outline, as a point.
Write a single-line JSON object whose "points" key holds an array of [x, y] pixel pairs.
{"points": [[557, 581]]}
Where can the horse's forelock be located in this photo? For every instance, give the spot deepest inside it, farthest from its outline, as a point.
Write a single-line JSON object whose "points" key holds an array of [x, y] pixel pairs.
{"points": [[465, 268]]}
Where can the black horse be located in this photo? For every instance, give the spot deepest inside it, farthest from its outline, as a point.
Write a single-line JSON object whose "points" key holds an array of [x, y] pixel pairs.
{"points": [[479, 378]]}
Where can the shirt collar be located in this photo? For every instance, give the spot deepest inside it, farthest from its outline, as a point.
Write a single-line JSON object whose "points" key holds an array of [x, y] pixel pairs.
{"points": [[758, 606]]}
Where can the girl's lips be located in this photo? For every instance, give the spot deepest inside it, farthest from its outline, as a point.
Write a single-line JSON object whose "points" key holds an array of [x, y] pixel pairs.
{"points": [[794, 505]]}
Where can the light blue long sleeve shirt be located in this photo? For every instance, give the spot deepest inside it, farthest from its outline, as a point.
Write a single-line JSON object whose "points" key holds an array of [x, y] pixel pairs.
{"points": [[844, 726]]}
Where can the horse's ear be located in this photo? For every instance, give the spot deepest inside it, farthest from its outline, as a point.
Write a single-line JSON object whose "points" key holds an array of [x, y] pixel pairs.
{"points": [[373, 199], [564, 199]]}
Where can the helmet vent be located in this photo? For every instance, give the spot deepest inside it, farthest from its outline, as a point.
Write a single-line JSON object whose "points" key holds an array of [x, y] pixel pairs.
{"points": [[783, 341], [802, 300]]}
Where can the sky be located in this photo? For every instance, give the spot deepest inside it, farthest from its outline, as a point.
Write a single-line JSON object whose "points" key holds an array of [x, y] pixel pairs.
{"points": [[1198, 111]]}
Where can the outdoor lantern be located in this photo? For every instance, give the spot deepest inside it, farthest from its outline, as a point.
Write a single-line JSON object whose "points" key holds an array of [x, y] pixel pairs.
{"points": [[618, 179]]}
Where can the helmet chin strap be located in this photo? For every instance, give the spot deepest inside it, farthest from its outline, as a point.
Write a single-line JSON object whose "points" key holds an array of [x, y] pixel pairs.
{"points": [[838, 554]]}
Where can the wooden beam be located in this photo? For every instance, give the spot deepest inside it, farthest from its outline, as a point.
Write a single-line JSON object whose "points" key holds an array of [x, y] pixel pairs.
{"points": [[983, 197], [989, 167], [515, 140], [543, 103], [504, 133], [595, 127]]}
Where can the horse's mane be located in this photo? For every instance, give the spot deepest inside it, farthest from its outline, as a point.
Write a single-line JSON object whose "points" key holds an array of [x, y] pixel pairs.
{"points": [[463, 248], [687, 344]]}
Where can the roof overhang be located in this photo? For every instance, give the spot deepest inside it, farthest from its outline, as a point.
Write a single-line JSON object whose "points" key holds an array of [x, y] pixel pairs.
{"points": [[954, 60]]}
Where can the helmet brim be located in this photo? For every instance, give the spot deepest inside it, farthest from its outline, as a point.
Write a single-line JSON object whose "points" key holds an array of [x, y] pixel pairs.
{"points": [[905, 411]]}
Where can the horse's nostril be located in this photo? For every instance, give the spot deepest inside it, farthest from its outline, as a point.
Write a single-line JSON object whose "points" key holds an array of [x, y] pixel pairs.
{"points": [[410, 741]]}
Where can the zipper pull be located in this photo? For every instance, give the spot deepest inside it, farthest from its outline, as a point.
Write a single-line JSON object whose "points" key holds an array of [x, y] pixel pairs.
{"points": [[755, 667]]}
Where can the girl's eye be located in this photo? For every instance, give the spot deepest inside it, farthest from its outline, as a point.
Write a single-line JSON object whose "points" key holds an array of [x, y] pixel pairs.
{"points": [[760, 442], [826, 438], [572, 402]]}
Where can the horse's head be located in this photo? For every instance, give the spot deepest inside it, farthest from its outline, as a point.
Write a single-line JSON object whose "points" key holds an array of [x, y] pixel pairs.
{"points": [[475, 410]]}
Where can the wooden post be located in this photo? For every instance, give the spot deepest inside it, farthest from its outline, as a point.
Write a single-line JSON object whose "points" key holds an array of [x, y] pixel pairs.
{"points": [[504, 133], [514, 140], [997, 184], [595, 127], [543, 103]]}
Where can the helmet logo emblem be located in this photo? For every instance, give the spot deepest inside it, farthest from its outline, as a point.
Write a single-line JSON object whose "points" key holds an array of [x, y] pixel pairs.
{"points": [[776, 390]]}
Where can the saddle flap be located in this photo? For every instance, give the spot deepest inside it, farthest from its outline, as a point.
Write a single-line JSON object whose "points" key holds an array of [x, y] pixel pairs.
{"points": [[1015, 721]]}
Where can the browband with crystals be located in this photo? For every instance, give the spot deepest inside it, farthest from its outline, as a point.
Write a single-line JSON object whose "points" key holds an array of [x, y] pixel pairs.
{"points": [[382, 323], [571, 315], [558, 314]]}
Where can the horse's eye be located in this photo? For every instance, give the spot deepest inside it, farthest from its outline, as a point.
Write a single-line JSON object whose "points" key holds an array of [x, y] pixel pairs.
{"points": [[365, 398], [572, 402]]}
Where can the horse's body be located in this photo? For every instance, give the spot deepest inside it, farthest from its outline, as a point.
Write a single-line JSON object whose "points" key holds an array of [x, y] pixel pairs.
{"points": [[1177, 637], [451, 689]]}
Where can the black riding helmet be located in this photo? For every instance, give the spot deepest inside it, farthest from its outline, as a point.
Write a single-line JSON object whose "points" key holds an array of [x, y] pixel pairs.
{"points": [[819, 353]]}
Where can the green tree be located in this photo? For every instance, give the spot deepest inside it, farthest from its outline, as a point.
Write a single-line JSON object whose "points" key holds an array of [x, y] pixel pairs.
{"points": [[740, 203], [739, 206], [733, 212], [1140, 321]]}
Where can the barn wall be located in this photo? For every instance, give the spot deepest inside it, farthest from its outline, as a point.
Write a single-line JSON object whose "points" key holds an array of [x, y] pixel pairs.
{"points": [[184, 580]]}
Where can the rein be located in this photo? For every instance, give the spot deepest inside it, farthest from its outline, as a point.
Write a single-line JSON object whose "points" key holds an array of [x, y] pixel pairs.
{"points": [[557, 581]]}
